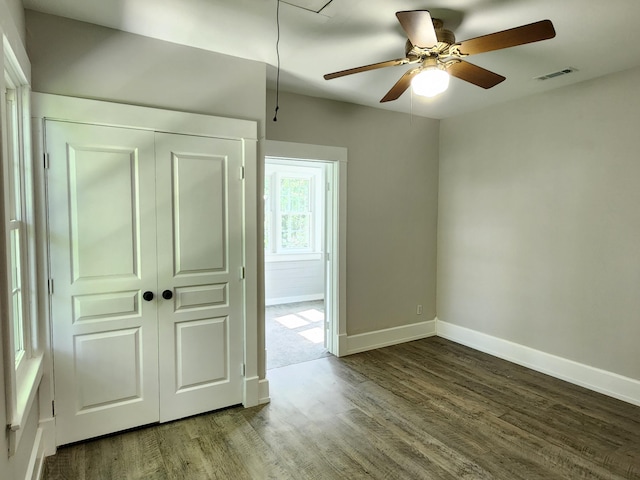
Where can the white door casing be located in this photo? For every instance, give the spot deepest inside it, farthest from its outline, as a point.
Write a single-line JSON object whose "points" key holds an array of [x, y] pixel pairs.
{"points": [[336, 232], [120, 360], [329, 276]]}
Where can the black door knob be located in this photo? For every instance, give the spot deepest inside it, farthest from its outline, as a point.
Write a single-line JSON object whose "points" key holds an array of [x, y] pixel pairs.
{"points": [[167, 294], [148, 296]]}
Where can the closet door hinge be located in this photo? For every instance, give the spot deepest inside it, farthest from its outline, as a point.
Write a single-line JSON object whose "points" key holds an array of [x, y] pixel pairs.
{"points": [[242, 273], [53, 408], [243, 369], [46, 161], [241, 173], [50, 286]]}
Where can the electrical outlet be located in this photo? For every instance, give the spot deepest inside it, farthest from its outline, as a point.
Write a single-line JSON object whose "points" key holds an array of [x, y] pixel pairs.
{"points": [[419, 310]]}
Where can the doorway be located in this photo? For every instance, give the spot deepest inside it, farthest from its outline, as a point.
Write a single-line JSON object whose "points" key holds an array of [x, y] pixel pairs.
{"points": [[295, 260], [302, 252]]}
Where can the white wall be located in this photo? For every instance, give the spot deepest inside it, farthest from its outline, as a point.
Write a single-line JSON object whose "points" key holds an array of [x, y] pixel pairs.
{"points": [[392, 189], [539, 227], [293, 281]]}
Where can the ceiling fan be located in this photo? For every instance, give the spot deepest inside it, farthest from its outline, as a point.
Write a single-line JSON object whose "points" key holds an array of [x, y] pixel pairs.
{"points": [[435, 50]]}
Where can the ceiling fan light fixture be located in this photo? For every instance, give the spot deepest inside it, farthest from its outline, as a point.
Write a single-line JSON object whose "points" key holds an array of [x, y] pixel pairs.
{"points": [[430, 82], [429, 43]]}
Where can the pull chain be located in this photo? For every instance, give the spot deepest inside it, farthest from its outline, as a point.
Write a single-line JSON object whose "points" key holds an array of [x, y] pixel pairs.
{"points": [[275, 116]]}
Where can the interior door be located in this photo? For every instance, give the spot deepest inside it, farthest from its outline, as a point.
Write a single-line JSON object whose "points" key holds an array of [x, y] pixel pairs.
{"points": [[199, 273], [102, 227]]}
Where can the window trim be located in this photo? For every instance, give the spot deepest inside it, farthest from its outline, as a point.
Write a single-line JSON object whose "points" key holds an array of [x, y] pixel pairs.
{"points": [[22, 378], [277, 169], [15, 221]]}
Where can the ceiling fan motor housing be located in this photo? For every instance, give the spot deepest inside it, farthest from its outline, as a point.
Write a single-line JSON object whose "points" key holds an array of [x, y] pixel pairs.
{"points": [[443, 35], [445, 38]]}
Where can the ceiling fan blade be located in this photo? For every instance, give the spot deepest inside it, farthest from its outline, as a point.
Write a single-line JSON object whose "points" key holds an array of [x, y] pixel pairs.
{"points": [[474, 74], [365, 68], [534, 32], [419, 27], [400, 86]]}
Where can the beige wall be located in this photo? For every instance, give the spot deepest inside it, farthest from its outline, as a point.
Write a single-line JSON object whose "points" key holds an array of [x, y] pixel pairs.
{"points": [[84, 60], [392, 193], [539, 223], [12, 19]]}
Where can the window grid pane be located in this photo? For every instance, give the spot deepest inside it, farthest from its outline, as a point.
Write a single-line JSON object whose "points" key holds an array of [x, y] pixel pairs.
{"points": [[295, 213], [16, 294], [295, 195], [15, 195], [295, 231]]}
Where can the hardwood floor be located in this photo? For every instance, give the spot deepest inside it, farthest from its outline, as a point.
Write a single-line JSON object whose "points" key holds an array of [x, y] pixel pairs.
{"points": [[429, 409]]}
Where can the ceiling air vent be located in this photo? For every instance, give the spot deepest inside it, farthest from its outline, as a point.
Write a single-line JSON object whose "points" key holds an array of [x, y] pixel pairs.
{"points": [[559, 73]]}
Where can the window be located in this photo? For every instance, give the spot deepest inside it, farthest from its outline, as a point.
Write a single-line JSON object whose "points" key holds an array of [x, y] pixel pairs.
{"points": [[16, 225], [294, 201], [23, 370], [293, 217]]}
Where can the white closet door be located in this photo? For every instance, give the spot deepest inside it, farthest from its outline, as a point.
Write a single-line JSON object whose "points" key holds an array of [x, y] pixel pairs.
{"points": [[199, 192], [134, 213], [102, 216]]}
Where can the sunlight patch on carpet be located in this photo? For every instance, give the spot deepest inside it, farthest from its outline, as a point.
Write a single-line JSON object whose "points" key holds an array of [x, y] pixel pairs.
{"points": [[291, 321], [312, 315], [314, 335]]}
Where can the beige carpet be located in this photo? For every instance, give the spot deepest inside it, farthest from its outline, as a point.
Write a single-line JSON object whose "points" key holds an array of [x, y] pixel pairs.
{"points": [[294, 333]]}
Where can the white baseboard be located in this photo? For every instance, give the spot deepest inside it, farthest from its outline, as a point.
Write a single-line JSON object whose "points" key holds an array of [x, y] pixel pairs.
{"points": [[349, 344], [263, 391], [48, 426], [35, 468], [602, 381], [251, 391], [343, 345], [299, 298]]}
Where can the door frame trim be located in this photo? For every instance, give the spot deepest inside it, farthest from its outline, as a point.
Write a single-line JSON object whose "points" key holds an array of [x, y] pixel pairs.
{"points": [[337, 156], [80, 110], [98, 112]]}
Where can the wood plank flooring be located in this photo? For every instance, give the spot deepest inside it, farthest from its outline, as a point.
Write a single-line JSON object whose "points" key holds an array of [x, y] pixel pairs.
{"points": [[429, 409]]}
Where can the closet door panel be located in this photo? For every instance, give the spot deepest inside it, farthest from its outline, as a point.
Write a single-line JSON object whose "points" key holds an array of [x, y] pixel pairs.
{"points": [[101, 208], [199, 263], [198, 208]]}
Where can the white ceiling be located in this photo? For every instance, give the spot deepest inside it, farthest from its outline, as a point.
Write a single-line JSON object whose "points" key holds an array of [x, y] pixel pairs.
{"points": [[596, 37]]}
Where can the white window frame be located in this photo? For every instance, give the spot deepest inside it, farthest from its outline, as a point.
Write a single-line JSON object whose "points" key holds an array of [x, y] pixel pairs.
{"points": [[16, 224], [24, 369], [275, 170]]}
